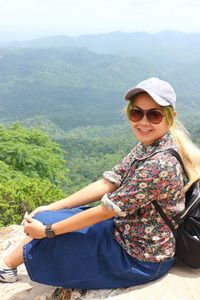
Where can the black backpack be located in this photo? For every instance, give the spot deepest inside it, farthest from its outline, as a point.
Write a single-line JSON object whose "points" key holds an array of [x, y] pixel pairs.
{"points": [[187, 234]]}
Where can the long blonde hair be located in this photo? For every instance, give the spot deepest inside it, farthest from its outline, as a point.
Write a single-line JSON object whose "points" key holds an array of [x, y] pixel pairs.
{"points": [[188, 151]]}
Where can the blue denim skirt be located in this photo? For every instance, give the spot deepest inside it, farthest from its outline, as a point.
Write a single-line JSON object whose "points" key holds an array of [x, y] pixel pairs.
{"points": [[86, 259]]}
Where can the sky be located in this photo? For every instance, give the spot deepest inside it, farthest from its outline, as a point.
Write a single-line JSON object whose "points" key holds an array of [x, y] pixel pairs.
{"points": [[37, 18]]}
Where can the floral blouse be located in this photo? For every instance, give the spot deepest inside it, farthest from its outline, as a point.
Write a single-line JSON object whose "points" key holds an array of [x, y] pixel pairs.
{"points": [[146, 174]]}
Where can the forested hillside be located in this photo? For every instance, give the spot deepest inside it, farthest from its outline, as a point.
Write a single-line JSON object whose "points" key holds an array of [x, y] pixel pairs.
{"points": [[55, 83], [177, 53], [33, 172], [76, 94], [64, 83]]}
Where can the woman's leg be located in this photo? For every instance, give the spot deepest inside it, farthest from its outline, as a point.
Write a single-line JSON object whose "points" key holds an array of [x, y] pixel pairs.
{"points": [[15, 257], [9, 263]]}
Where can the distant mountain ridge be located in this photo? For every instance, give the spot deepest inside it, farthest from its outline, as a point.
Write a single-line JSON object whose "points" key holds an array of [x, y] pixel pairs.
{"points": [[80, 81], [74, 91], [60, 81], [173, 45]]}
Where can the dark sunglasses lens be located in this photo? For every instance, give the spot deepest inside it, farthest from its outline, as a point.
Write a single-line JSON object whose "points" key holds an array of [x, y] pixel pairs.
{"points": [[154, 116], [136, 115]]}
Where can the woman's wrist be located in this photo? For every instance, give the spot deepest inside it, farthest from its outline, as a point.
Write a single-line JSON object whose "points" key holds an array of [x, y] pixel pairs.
{"points": [[52, 206], [57, 205]]}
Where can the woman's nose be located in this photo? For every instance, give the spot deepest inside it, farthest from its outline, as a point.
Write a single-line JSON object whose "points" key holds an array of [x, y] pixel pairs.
{"points": [[144, 119]]}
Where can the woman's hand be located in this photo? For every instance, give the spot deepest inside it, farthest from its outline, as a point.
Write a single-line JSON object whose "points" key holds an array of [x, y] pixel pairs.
{"points": [[33, 228], [39, 209]]}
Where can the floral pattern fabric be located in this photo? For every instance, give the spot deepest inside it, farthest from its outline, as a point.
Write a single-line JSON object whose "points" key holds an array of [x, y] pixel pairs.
{"points": [[146, 174]]}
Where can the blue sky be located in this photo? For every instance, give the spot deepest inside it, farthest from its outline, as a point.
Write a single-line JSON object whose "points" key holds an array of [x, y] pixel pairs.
{"points": [[36, 18]]}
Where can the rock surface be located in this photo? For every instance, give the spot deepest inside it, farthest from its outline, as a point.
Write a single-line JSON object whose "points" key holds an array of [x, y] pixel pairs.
{"points": [[179, 284]]}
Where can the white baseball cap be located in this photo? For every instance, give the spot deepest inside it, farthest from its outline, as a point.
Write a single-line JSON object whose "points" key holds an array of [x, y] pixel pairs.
{"points": [[161, 91]]}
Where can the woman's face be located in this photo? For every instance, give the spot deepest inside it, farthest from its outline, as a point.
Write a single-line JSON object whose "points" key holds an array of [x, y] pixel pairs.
{"points": [[144, 130]]}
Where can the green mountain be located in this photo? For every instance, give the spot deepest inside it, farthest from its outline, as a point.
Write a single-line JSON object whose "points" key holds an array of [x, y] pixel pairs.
{"points": [[73, 89], [174, 45]]}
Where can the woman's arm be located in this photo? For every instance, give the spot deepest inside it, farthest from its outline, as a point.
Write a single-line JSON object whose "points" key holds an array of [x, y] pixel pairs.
{"points": [[88, 194], [36, 229], [83, 219]]}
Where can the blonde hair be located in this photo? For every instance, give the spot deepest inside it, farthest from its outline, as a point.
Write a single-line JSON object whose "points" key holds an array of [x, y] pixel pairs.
{"points": [[188, 151]]}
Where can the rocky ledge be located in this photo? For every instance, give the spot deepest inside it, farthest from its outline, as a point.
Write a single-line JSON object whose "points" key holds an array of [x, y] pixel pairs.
{"points": [[180, 283]]}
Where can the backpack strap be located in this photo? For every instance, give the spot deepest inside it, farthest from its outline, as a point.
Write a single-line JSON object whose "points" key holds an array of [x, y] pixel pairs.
{"points": [[177, 155], [157, 206], [164, 217]]}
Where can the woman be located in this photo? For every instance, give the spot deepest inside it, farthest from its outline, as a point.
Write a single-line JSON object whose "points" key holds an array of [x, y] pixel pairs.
{"points": [[123, 241]]}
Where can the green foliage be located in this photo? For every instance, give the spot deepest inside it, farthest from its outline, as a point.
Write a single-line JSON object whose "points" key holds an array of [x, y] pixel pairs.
{"points": [[92, 150], [31, 152], [32, 172], [24, 194]]}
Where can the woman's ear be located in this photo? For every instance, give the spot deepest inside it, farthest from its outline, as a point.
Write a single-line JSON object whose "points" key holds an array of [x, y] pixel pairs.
{"points": [[174, 115]]}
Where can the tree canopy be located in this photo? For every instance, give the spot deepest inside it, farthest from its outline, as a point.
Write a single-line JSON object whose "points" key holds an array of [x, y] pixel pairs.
{"points": [[32, 171]]}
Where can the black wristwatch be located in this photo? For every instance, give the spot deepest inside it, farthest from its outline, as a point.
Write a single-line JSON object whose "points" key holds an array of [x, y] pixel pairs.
{"points": [[49, 231]]}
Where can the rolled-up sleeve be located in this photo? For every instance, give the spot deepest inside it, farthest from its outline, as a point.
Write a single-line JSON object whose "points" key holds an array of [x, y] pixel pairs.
{"points": [[116, 175], [108, 203], [113, 177], [154, 179]]}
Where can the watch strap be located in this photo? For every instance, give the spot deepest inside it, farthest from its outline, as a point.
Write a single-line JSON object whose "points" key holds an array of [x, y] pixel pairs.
{"points": [[49, 231]]}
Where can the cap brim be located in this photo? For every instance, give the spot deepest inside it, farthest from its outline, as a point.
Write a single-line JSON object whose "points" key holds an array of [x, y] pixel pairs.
{"points": [[132, 92]]}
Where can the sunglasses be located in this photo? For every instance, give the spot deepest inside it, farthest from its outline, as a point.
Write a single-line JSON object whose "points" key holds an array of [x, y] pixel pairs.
{"points": [[153, 115]]}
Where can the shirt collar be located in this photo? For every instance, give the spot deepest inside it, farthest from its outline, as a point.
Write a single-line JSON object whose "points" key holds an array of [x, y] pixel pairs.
{"points": [[165, 142]]}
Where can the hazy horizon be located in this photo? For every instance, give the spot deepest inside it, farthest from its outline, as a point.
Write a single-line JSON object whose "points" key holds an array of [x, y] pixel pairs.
{"points": [[23, 20], [9, 37]]}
